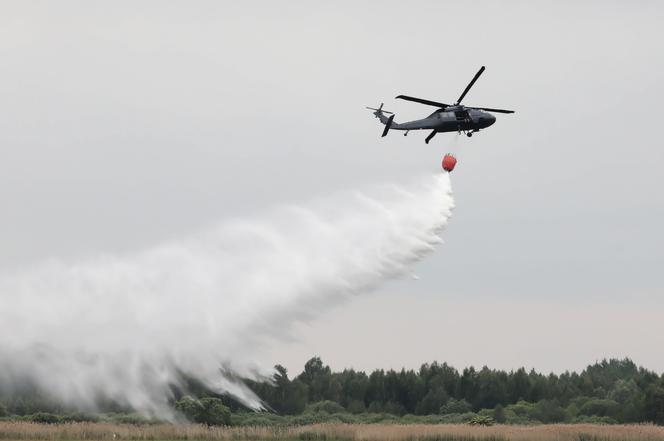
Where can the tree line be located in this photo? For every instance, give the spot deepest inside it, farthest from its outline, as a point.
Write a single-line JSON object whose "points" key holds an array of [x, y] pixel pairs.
{"points": [[611, 391]]}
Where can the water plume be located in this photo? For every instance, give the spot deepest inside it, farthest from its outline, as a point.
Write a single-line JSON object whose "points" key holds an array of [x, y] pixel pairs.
{"points": [[125, 328]]}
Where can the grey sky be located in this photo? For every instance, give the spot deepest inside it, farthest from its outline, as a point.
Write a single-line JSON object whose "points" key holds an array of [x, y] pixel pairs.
{"points": [[124, 124]]}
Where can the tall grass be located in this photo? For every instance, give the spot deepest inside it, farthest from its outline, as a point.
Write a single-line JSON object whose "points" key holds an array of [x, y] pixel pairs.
{"points": [[15, 430]]}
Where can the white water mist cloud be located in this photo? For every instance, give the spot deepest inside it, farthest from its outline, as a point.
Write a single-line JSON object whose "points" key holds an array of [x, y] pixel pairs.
{"points": [[123, 327]]}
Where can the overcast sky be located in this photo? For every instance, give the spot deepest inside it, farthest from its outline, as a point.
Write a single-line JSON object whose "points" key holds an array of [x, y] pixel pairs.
{"points": [[126, 124]]}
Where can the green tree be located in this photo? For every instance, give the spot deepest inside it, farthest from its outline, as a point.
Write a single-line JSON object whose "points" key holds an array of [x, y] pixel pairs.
{"points": [[317, 377], [432, 401], [354, 386], [376, 394], [468, 385], [519, 385], [334, 390], [539, 386], [298, 395], [624, 390], [491, 389], [287, 397], [654, 404]]}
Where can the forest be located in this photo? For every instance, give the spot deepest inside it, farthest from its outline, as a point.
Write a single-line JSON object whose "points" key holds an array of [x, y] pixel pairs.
{"points": [[610, 392]]}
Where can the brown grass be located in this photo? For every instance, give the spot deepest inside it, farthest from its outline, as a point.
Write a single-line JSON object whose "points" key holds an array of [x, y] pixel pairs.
{"points": [[331, 432], [550, 432]]}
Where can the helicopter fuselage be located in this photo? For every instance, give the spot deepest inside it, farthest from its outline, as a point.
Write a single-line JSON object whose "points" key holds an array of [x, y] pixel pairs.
{"points": [[448, 121]]}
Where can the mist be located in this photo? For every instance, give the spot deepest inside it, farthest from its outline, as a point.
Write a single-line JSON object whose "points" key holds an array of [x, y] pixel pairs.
{"points": [[124, 327]]}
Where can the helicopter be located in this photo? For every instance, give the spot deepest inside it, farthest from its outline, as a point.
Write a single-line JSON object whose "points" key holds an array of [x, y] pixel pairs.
{"points": [[447, 118]]}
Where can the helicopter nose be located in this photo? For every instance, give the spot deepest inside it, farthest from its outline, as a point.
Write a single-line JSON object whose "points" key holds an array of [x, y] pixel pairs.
{"points": [[486, 120]]}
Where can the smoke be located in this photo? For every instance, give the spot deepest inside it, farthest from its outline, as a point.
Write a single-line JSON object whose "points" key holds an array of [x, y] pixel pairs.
{"points": [[126, 327]]}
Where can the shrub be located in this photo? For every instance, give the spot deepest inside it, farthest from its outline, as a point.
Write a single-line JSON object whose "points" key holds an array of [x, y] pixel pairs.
{"points": [[257, 419], [521, 408], [189, 407], [480, 420], [548, 411], [307, 418], [375, 407], [512, 418], [394, 408], [215, 413], [455, 406], [209, 410], [44, 418], [356, 406], [80, 418], [325, 406], [599, 407], [499, 414], [593, 419], [457, 418], [130, 418]]}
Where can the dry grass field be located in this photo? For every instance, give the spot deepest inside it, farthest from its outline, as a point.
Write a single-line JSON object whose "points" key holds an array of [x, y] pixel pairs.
{"points": [[331, 432]]}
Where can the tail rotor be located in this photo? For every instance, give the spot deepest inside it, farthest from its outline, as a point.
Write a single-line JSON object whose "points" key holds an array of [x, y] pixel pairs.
{"points": [[380, 114], [379, 110]]}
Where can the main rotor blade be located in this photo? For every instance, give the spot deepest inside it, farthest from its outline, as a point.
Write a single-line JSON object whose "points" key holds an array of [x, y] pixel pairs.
{"points": [[422, 101], [477, 75], [488, 109]]}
